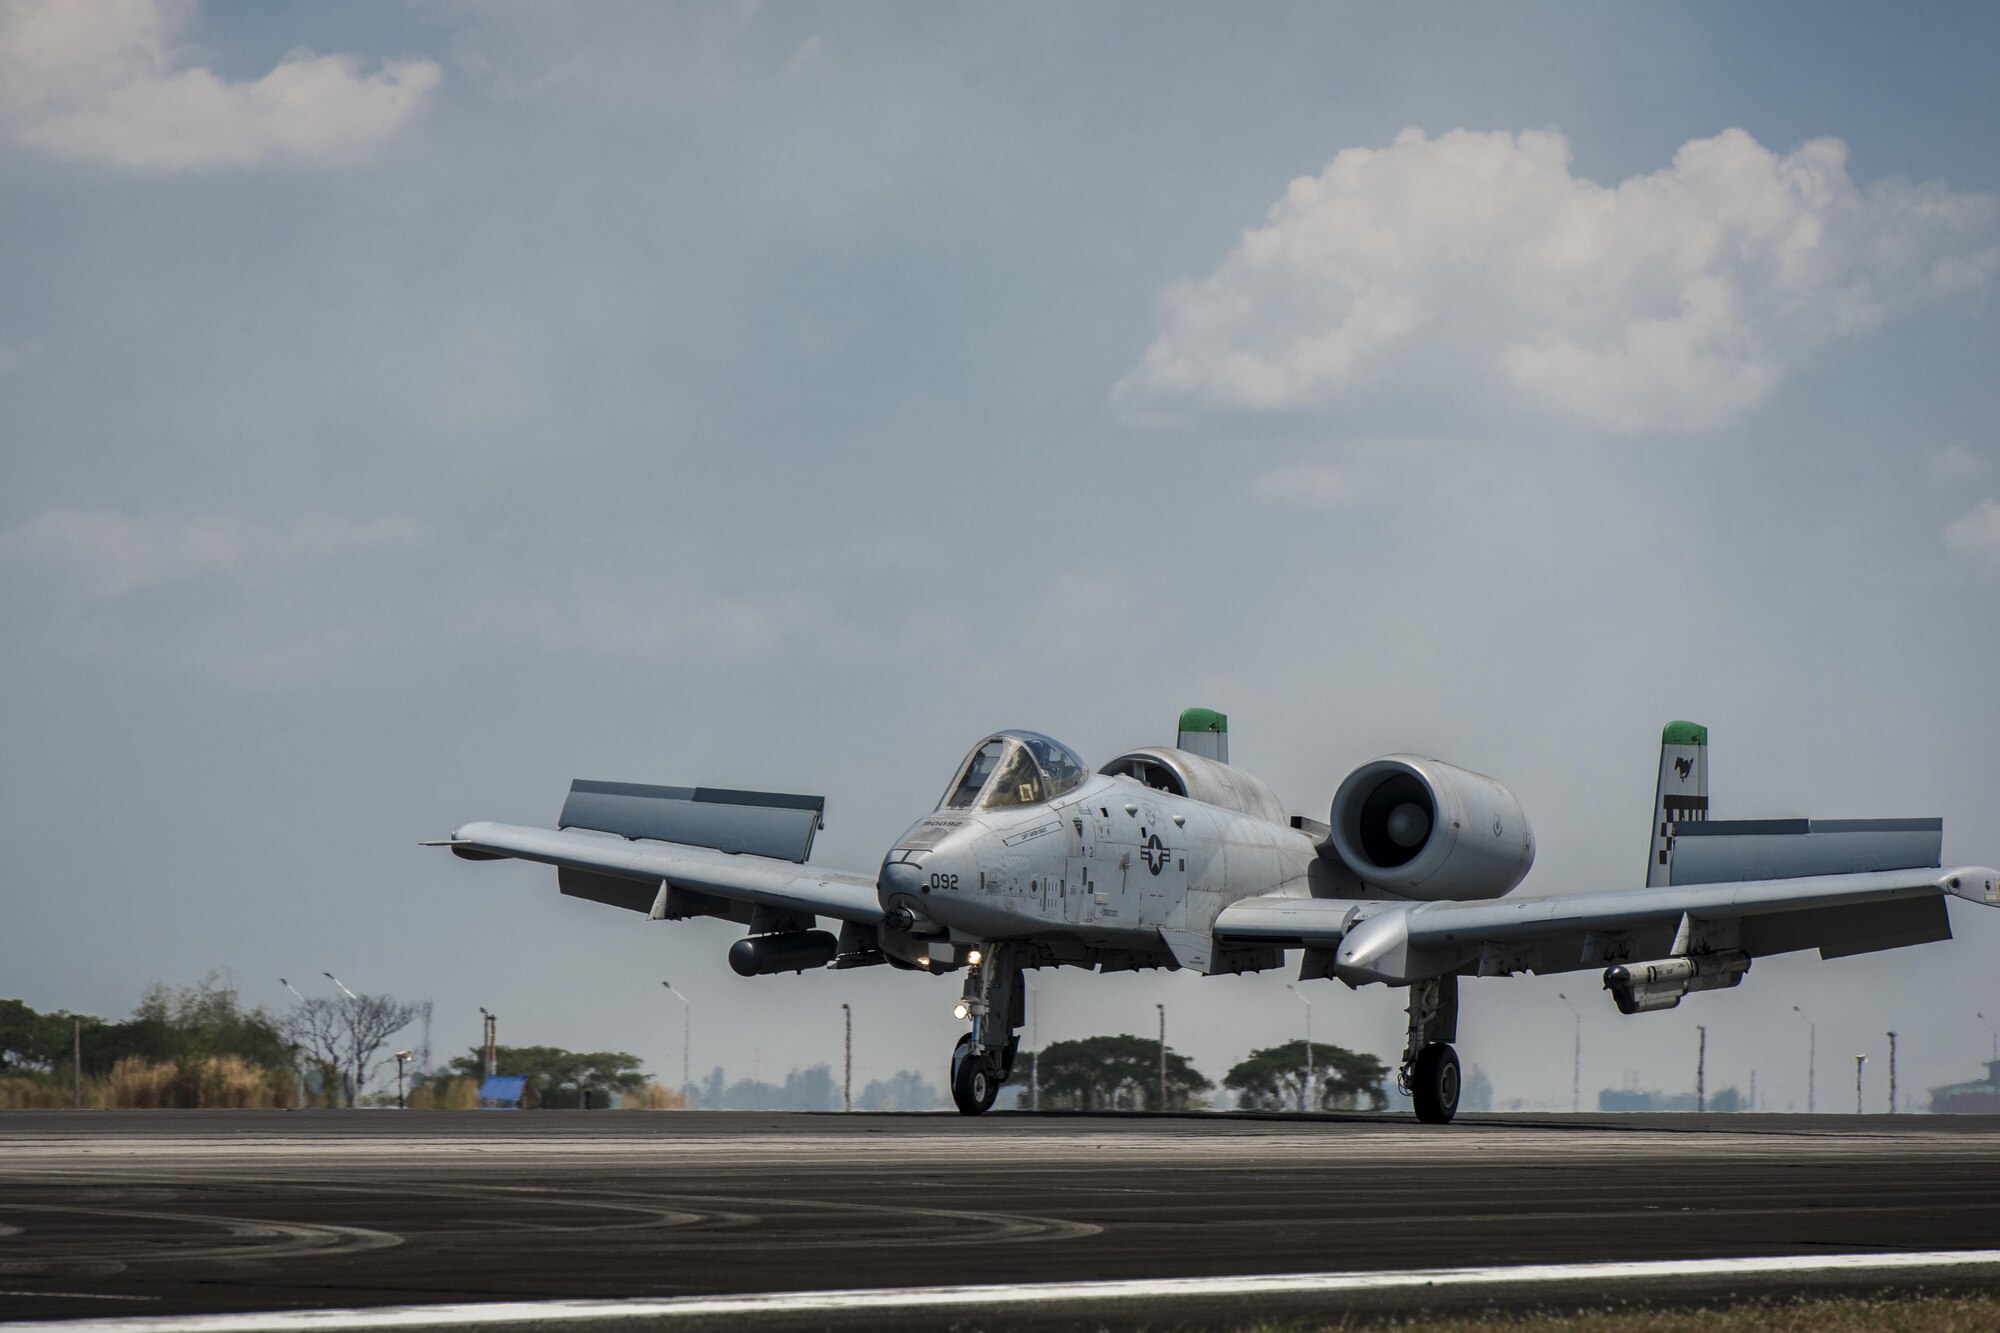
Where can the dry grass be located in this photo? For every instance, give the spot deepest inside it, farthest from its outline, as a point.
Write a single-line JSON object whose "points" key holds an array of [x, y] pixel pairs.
{"points": [[653, 1097], [458, 1094], [1976, 1313], [28, 1092], [222, 1083]]}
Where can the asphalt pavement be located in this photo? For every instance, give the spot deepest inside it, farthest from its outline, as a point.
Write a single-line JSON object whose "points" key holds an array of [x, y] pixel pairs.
{"points": [[121, 1214]]}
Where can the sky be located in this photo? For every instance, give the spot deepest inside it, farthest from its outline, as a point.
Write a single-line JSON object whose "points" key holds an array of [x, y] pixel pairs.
{"points": [[406, 408]]}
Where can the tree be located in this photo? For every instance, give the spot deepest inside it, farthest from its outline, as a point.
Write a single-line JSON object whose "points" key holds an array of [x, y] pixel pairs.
{"points": [[906, 1091], [1270, 1079], [1115, 1073], [34, 1041], [345, 1034], [315, 1031], [368, 1022], [560, 1077]]}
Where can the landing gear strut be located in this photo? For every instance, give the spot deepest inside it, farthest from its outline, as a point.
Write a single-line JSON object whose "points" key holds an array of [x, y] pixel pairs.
{"points": [[1429, 1071], [984, 1056]]}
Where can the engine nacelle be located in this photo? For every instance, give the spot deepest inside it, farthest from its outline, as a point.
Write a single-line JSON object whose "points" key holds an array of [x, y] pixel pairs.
{"points": [[792, 951], [1420, 828]]}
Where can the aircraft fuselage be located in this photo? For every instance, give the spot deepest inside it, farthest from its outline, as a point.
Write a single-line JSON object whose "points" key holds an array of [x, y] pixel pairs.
{"points": [[1109, 865]]}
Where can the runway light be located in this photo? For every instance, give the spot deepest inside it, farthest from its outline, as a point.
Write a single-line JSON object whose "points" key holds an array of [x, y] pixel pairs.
{"points": [[972, 958], [961, 1010]]}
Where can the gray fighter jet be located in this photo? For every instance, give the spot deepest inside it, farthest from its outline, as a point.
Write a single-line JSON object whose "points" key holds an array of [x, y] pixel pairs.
{"points": [[1169, 857]]}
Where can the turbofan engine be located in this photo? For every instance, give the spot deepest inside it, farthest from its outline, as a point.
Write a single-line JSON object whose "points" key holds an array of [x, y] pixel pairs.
{"points": [[1420, 828]]}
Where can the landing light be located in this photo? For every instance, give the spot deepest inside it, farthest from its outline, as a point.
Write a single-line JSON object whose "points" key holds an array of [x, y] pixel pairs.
{"points": [[961, 1010], [972, 958]]}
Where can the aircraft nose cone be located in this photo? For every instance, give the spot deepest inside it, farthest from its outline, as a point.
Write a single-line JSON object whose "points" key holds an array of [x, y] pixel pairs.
{"points": [[900, 877]]}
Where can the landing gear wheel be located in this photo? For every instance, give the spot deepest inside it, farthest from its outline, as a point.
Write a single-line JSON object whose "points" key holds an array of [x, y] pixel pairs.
{"points": [[1434, 1084], [972, 1087]]}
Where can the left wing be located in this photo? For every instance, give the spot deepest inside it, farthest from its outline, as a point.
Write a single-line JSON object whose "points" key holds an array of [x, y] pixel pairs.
{"points": [[1398, 942]]}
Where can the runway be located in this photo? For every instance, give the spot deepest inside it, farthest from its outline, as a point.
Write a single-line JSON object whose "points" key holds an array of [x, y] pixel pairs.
{"points": [[114, 1215]]}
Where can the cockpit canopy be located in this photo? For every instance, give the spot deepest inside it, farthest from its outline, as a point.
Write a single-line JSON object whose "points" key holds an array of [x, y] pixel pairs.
{"points": [[1012, 768]]}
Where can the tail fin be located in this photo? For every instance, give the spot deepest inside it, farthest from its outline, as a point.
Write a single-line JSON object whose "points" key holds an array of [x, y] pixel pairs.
{"points": [[1682, 794], [1204, 732]]}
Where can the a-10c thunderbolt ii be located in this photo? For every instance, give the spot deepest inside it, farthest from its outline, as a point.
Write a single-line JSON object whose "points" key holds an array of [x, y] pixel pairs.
{"points": [[1169, 857]]}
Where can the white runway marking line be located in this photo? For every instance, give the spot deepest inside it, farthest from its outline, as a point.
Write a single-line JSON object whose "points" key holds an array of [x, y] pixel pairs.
{"points": [[915, 1298]]}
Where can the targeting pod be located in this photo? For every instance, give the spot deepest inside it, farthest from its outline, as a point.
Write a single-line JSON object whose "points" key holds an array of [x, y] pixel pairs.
{"points": [[1643, 987]]}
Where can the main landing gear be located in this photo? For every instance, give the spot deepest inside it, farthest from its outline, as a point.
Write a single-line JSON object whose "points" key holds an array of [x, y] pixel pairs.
{"points": [[984, 1057], [1430, 1067]]}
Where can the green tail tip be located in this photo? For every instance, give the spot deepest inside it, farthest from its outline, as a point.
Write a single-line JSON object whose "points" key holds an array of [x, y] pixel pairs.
{"points": [[1684, 733], [1204, 719]]}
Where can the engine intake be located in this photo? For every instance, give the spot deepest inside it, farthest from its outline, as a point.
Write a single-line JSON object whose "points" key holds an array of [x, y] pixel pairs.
{"points": [[791, 951], [1421, 828]]}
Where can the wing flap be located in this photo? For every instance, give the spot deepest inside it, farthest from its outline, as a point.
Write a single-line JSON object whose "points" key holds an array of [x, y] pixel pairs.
{"points": [[761, 823], [595, 864]]}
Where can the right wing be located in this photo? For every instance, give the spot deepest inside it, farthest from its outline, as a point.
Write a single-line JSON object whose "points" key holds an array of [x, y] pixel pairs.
{"points": [[646, 876], [1397, 942]]}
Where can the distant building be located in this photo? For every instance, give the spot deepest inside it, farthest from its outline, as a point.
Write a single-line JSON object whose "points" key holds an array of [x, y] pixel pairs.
{"points": [[508, 1092], [1721, 1101], [1970, 1098]]}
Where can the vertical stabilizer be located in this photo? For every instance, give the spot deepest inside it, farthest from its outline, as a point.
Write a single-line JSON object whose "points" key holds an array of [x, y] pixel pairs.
{"points": [[1204, 732], [1681, 796]]}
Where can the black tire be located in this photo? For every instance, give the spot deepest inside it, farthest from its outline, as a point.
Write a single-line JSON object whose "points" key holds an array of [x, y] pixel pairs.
{"points": [[1434, 1084], [972, 1088]]}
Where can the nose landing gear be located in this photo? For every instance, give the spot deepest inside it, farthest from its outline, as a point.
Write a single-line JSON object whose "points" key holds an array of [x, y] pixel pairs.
{"points": [[984, 1057], [1429, 1071]]}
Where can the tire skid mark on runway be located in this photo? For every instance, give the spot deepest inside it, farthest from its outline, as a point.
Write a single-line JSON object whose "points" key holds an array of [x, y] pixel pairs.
{"points": [[286, 1240]]}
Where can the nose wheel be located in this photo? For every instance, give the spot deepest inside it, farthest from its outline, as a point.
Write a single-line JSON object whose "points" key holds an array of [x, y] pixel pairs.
{"points": [[973, 1088], [984, 1057]]}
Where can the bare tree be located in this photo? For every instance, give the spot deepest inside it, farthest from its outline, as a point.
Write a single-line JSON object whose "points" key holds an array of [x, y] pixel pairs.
{"points": [[345, 1034], [368, 1021], [316, 1027]]}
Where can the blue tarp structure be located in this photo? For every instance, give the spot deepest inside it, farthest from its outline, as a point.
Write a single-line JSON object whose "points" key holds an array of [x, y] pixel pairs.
{"points": [[504, 1092]]}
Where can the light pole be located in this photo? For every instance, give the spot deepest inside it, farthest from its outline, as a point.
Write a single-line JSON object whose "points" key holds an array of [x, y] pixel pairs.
{"points": [[1035, 1043], [402, 1063], [1812, 1058], [1305, 1089], [1576, 1058], [1995, 1031], [687, 1028], [490, 1025], [847, 1067], [1162, 1105], [1892, 1073], [1859, 1061], [300, 1050], [1701, 1070]]}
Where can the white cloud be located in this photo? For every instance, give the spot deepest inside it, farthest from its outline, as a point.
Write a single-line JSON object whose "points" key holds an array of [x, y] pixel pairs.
{"points": [[96, 555], [105, 81], [1953, 464], [1303, 485], [1676, 300], [1975, 535]]}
